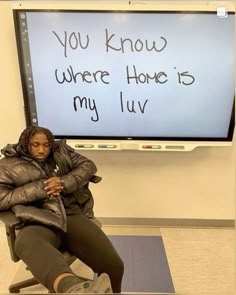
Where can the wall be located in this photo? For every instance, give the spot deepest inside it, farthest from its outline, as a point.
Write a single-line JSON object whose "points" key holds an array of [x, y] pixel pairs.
{"points": [[178, 185]]}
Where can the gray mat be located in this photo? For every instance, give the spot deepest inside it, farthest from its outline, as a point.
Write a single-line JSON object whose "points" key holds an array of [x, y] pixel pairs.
{"points": [[146, 265]]}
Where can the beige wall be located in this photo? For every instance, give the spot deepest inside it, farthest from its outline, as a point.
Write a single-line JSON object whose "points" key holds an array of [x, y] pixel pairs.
{"points": [[197, 184]]}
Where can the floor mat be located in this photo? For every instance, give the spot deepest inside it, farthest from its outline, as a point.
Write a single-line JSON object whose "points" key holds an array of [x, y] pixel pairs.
{"points": [[146, 265]]}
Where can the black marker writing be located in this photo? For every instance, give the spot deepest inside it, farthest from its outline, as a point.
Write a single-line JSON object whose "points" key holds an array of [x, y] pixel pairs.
{"points": [[160, 77], [88, 103], [185, 78], [70, 76], [130, 105], [127, 44], [73, 41]]}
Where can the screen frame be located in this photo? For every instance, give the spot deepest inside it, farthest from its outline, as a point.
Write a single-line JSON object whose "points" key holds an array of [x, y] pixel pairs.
{"points": [[120, 142]]}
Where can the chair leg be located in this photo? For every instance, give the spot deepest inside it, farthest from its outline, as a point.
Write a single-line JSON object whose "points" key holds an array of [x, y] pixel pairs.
{"points": [[15, 288]]}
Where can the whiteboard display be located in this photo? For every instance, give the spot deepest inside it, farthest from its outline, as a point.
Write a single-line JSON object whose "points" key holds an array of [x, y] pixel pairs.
{"points": [[128, 75]]}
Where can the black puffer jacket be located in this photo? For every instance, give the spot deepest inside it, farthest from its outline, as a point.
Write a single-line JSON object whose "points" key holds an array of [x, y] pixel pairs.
{"points": [[22, 187]]}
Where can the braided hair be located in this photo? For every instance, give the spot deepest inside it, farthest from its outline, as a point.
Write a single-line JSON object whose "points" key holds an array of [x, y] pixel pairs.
{"points": [[26, 135]]}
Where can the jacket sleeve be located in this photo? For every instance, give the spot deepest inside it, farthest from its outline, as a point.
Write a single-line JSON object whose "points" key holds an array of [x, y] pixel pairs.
{"points": [[82, 170], [11, 195]]}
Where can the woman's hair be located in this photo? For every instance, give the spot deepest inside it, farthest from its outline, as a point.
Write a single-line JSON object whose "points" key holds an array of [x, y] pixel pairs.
{"points": [[26, 135]]}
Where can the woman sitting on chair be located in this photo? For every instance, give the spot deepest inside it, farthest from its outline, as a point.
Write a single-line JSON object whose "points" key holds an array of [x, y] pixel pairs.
{"points": [[45, 183]]}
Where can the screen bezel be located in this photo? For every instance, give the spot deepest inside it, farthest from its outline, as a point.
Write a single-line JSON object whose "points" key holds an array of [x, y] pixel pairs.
{"points": [[29, 108]]}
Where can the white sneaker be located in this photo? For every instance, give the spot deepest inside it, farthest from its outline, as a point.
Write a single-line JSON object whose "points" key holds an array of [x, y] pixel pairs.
{"points": [[101, 285]]}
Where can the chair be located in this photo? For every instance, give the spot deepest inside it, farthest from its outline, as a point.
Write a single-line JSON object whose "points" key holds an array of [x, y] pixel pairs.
{"points": [[11, 222]]}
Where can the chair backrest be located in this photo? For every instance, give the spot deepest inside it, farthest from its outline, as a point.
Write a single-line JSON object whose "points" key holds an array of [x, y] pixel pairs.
{"points": [[10, 221]]}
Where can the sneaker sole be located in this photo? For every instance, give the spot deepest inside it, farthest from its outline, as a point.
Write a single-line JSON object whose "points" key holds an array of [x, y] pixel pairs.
{"points": [[103, 284]]}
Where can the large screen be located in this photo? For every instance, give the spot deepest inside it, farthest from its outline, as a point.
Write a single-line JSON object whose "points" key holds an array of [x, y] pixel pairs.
{"points": [[128, 76]]}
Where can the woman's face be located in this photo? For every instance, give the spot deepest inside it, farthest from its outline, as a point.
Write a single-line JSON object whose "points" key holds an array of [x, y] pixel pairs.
{"points": [[39, 147]]}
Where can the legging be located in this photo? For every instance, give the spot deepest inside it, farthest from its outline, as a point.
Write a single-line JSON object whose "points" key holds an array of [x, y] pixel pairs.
{"points": [[38, 245]]}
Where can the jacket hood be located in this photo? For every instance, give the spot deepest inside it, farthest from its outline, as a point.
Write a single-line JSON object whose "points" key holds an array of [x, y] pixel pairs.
{"points": [[14, 150], [10, 150]]}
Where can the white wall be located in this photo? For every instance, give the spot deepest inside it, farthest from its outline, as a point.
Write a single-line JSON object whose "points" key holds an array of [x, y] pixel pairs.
{"points": [[197, 184]]}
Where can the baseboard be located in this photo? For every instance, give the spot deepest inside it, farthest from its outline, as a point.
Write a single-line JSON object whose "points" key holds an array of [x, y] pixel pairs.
{"points": [[165, 222], [168, 222]]}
